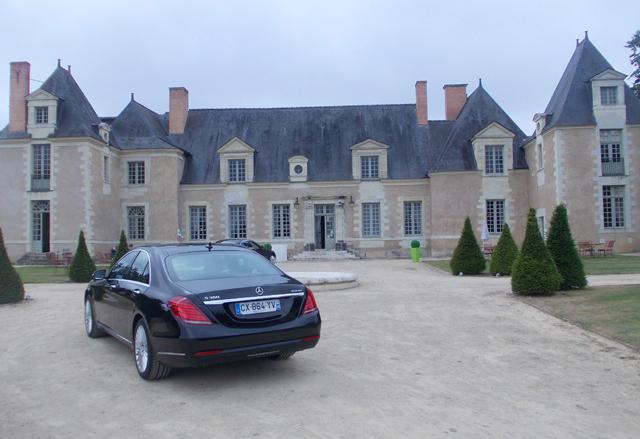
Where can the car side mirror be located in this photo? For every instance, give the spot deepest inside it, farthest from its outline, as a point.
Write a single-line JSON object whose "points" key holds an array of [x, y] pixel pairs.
{"points": [[99, 274]]}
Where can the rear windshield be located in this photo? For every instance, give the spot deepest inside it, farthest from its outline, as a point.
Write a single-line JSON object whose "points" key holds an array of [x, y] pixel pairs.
{"points": [[217, 264]]}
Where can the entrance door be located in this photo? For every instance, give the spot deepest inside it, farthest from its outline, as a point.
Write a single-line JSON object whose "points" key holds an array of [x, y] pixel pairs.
{"points": [[40, 219], [325, 226]]}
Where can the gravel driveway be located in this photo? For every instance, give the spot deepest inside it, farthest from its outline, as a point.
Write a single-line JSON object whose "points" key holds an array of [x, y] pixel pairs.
{"points": [[410, 353]]}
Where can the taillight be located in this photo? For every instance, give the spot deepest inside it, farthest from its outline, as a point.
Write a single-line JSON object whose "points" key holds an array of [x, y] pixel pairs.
{"points": [[184, 309], [310, 304]]}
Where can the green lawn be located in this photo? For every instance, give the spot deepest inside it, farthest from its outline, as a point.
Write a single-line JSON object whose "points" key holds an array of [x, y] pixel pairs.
{"points": [[611, 311], [608, 265], [44, 274]]}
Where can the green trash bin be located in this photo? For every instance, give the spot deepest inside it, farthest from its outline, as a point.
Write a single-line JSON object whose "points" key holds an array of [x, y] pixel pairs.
{"points": [[415, 251]]}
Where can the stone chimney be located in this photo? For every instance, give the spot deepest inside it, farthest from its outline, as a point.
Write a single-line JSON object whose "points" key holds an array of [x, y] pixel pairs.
{"points": [[421, 103], [455, 96], [178, 109], [18, 92]]}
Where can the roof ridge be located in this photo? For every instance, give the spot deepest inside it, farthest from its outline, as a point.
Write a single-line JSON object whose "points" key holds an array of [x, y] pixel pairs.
{"points": [[299, 108]]}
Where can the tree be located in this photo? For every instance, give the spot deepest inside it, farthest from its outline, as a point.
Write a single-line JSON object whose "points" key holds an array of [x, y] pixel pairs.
{"points": [[563, 251], [123, 248], [467, 257], [11, 288], [505, 253], [82, 266], [634, 45], [534, 272]]}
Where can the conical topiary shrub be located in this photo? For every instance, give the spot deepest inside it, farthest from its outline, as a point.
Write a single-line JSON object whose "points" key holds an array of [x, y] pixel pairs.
{"points": [[534, 272], [11, 288], [467, 257], [505, 253], [82, 266], [563, 251], [123, 248]]}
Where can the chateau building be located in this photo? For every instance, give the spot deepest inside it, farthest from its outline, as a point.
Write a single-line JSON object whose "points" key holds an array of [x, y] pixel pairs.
{"points": [[367, 177]]}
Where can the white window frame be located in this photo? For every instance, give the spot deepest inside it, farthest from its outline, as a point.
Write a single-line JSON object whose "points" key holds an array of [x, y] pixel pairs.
{"points": [[613, 207], [540, 157], [237, 170], [106, 169], [136, 223], [369, 167], [136, 172], [495, 215], [494, 159], [41, 116], [237, 221], [197, 223], [281, 221], [371, 220], [412, 218], [608, 95]]}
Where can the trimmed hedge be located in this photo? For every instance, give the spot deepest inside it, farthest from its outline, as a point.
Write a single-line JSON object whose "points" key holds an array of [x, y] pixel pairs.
{"points": [[467, 257], [11, 288], [266, 246], [563, 251], [415, 243], [505, 253], [82, 266], [123, 248], [534, 272]]}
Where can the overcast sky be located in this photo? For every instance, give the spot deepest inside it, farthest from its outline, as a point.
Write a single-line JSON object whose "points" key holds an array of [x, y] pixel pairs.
{"points": [[308, 53]]}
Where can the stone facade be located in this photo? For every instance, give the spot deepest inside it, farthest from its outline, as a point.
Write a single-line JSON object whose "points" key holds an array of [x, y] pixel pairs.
{"points": [[143, 173]]}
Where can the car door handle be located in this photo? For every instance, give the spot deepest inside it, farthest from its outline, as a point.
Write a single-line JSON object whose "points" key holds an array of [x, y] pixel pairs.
{"points": [[113, 286], [136, 291]]}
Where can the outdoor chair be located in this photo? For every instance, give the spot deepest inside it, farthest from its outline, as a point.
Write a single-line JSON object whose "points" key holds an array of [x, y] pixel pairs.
{"points": [[487, 250], [607, 249], [585, 248]]}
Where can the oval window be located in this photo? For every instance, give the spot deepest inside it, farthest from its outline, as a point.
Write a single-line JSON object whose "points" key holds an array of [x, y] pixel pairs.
{"points": [[298, 169]]}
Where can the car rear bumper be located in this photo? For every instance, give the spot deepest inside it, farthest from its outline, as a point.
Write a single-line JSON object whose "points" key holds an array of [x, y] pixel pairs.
{"points": [[183, 352]]}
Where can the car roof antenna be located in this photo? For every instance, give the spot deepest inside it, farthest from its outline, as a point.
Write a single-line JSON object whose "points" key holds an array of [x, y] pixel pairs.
{"points": [[209, 246]]}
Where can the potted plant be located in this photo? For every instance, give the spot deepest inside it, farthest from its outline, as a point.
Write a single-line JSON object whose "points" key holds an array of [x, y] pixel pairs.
{"points": [[415, 250]]}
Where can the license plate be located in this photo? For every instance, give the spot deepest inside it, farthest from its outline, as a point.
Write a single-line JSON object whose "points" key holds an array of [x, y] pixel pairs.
{"points": [[259, 307]]}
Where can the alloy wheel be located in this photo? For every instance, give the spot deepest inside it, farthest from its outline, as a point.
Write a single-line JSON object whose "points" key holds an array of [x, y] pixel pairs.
{"points": [[88, 316], [141, 347]]}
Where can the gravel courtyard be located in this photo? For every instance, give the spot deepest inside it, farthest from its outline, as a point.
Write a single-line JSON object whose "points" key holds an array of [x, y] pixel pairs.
{"points": [[411, 353]]}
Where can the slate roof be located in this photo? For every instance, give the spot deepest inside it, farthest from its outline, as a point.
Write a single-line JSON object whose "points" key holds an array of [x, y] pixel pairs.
{"points": [[324, 135], [76, 117], [138, 127], [572, 103], [478, 112]]}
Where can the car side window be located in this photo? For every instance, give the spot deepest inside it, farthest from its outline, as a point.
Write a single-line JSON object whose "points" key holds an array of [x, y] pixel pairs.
{"points": [[119, 271], [138, 269]]}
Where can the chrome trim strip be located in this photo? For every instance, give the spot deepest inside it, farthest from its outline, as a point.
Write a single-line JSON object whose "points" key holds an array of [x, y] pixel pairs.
{"points": [[177, 354], [252, 298]]}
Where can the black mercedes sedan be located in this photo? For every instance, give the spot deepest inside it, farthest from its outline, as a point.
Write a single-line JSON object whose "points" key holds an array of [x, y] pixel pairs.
{"points": [[195, 305]]}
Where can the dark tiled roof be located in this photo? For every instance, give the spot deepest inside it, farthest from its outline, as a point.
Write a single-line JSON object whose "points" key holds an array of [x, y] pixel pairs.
{"points": [[6, 134], [137, 127], [571, 103], [76, 117], [322, 134], [478, 112]]}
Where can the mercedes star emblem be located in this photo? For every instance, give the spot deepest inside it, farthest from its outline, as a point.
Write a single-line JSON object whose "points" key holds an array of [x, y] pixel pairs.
{"points": [[259, 291]]}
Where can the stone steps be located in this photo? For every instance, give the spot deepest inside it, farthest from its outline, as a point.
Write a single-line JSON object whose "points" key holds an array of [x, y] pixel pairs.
{"points": [[33, 259], [324, 255]]}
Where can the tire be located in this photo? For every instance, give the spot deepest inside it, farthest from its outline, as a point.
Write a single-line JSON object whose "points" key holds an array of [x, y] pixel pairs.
{"points": [[283, 357], [144, 356], [90, 325]]}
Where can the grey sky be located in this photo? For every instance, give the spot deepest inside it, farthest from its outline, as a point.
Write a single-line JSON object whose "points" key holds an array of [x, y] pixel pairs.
{"points": [[307, 53]]}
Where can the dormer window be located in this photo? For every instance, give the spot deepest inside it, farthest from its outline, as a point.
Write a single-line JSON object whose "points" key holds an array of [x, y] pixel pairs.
{"points": [[609, 95], [298, 168], [494, 160], [369, 167], [237, 170], [369, 160], [42, 115]]}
